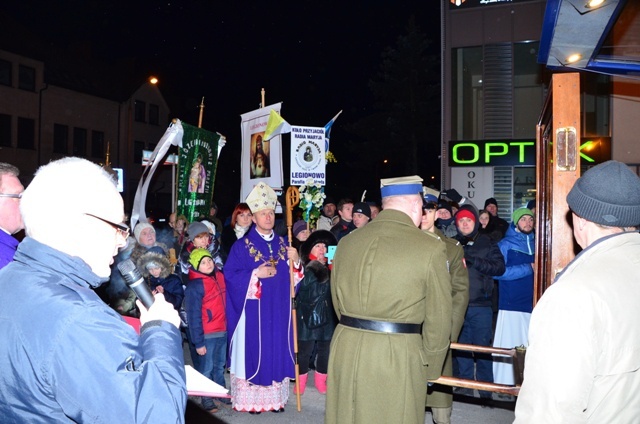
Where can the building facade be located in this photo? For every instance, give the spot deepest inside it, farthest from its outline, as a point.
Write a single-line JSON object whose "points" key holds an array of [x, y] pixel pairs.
{"points": [[46, 119], [494, 89]]}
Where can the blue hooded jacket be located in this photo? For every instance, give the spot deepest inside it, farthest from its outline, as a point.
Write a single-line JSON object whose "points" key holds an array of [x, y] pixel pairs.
{"points": [[66, 356], [516, 284]]}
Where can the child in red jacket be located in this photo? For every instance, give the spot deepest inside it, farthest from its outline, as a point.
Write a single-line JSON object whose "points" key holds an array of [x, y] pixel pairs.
{"points": [[205, 298]]}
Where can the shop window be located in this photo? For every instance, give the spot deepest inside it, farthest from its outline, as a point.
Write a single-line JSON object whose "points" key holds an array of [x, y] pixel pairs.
{"points": [[467, 94], [497, 91], [529, 86], [524, 186], [595, 104]]}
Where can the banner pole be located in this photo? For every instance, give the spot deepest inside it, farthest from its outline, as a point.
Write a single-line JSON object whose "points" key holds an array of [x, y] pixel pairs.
{"points": [[262, 92], [292, 199], [174, 179], [201, 113]]}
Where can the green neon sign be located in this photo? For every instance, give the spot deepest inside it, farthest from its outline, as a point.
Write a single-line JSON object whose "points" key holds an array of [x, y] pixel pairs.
{"points": [[492, 153], [588, 146], [593, 150]]}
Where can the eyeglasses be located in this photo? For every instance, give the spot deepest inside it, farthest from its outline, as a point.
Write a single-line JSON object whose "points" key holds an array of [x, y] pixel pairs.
{"points": [[12, 196], [122, 228]]}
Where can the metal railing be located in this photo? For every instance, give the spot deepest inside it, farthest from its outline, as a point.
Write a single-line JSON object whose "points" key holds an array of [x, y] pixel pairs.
{"points": [[517, 353]]}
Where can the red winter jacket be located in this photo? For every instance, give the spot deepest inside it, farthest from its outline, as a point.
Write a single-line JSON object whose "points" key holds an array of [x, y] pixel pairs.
{"points": [[205, 300]]}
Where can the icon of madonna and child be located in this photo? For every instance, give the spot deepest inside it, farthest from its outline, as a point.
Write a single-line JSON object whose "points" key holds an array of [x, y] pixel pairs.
{"points": [[197, 176]]}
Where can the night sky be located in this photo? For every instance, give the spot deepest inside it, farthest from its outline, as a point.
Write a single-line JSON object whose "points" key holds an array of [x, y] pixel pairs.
{"points": [[315, 57]]}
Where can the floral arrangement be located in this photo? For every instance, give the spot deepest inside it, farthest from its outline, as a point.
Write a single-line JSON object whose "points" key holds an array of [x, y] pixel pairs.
{"points": [[329, 157], [311, 199]]}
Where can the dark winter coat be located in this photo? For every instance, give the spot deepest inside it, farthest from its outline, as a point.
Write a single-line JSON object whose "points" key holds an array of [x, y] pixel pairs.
{"points": [[492, 229], [315, 288], [484, 260], [501, 225], [342, 228], [314, 291], [173, 291]]}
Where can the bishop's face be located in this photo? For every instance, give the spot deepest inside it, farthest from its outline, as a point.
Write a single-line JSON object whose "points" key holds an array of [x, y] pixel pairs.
{"points": [[264, 220]]}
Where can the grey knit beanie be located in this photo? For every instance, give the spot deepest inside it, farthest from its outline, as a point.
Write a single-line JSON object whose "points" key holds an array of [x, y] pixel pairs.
{"points": [[139, 227], [607, 194], [195, 229]]}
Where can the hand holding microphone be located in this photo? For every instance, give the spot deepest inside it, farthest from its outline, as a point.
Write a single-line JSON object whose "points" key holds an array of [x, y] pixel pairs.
{"points": [[151, 308]]}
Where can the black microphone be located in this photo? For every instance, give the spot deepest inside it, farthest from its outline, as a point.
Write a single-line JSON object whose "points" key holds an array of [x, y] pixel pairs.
{"points": [[135, 282]]}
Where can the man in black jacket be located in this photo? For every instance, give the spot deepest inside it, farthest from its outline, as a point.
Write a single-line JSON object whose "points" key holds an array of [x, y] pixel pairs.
{"points": [[491, 206], [345, 224], [483, 260]]}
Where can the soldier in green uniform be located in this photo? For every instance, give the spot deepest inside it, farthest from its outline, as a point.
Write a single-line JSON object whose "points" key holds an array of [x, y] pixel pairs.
{"points": [[392, 294], [439, 397]]}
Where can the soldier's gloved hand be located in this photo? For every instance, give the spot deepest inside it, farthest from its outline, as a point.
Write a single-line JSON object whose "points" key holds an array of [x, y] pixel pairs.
{"points": [[453, 194]]}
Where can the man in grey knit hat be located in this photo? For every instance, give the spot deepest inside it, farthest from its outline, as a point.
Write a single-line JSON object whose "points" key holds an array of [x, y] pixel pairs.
{"points": [[583, 359]]}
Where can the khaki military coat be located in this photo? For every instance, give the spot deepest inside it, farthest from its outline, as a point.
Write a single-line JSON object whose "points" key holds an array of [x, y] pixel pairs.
{"points": [[439, 396], [388, 270]]}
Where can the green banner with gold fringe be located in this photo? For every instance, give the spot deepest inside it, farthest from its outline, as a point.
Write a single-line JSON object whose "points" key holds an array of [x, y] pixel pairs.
{"points": [[197, 165]]}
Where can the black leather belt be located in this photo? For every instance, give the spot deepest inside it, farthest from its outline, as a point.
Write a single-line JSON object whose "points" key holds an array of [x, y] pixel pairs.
{"points": [[380, 326]]}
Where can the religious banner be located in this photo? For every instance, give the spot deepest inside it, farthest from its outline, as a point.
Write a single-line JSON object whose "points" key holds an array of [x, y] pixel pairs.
{"points": [[197, 171], [307, 155], [261, 159], [171, 137]]}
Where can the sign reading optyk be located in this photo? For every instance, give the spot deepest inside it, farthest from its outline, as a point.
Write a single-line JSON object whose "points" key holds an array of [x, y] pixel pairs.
{"points": [[492, 153], [593, 150], [307, 155]]}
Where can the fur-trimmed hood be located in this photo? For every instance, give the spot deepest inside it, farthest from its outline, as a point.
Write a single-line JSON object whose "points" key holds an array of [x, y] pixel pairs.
{"points": [[139, 250], [157, 258]]}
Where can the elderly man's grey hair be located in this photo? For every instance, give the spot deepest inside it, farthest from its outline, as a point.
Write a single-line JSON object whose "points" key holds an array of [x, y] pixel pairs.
{"points": [[7, 169], [60, 192]]}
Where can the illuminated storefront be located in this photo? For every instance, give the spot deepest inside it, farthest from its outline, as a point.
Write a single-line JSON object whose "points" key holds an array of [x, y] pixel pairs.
{"points": [[494, 86]]}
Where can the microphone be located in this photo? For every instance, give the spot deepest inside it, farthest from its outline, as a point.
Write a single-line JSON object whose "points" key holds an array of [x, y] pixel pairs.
{"points": [[135, 282]]}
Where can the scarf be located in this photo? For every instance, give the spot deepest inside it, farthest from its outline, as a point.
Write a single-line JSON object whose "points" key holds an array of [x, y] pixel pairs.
{"points": [[240, 231]]}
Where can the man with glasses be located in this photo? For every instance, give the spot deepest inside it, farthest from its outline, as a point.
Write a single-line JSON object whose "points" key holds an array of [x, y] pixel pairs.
{"points": [[10, 218], [66, 355]]}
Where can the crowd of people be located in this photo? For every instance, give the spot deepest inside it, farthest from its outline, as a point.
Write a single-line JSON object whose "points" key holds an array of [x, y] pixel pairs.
{"points": [[381, 290]]}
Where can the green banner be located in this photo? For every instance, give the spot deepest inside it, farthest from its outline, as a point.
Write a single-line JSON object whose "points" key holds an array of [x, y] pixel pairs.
{"points": [[196, 172]]}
